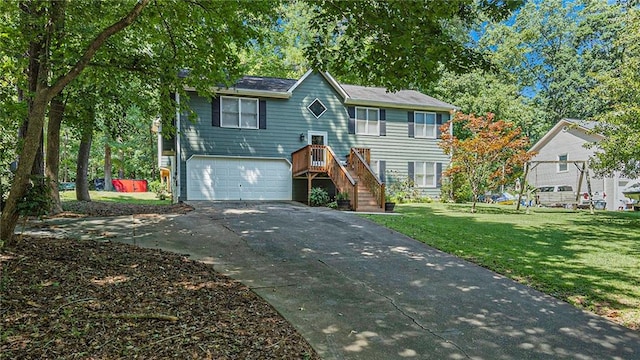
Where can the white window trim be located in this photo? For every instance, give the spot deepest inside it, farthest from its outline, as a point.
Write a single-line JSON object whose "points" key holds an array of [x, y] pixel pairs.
{"points": [[435, 125], [321, 103], [367, 120], [324, 134], [565, 163], [239, 123], [424, 175]]}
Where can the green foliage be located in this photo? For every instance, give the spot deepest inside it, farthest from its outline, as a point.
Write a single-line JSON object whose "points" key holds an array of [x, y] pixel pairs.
{"points": [[342, 195], [455, 188], [398, 44], [318, 197], [37, 199], [332, 205], [552, 49], [159, 189], [479, 92], [620, 150], [401, 189]]}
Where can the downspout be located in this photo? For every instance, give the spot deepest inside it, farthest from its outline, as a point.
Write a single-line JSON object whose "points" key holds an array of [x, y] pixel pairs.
{"points": [[178, 150], [159, 143]]}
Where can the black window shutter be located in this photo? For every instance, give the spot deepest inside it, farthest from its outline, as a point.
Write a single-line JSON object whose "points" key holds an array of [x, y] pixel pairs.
{"points": [[410, 124], [410, 171], [383, 122], [352, 119], [382, 167], [438, 124], [215, 111], [262, 114], [439, 175]]}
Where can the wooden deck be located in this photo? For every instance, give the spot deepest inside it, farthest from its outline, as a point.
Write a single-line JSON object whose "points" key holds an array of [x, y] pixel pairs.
{"points": [[366, 191]]}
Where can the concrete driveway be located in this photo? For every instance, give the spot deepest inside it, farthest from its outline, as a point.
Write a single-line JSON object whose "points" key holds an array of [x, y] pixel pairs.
{"points": [[356, 290]]}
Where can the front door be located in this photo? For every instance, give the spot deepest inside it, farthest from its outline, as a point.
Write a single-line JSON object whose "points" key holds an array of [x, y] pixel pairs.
{"points": [[317, 155]]}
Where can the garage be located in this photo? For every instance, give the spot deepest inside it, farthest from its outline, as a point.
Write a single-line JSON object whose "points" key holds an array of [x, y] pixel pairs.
{"points": [[238, 178]]}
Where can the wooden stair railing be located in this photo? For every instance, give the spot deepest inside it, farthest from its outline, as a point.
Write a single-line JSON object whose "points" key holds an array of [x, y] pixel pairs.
{"points": [[341, 178], [314, 159], [366, 176]]}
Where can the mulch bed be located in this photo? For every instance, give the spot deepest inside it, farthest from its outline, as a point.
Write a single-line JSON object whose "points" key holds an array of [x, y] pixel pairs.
{"points": [[66, 299]]}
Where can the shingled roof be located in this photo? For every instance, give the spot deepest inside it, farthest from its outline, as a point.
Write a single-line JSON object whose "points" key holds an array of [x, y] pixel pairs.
{"points": [[354, 94], [264, 83], [402, 97]]}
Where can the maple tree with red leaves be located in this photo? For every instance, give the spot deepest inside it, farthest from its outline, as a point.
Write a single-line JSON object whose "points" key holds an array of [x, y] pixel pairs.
{"points": [[491, 151]]}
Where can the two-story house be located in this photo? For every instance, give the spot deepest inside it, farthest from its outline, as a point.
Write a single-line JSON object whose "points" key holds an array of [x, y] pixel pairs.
{"points": [[272, 139]]}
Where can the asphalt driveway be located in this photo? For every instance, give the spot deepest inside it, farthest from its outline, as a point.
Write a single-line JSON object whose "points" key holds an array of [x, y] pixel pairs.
{"points": [[357, 290]]}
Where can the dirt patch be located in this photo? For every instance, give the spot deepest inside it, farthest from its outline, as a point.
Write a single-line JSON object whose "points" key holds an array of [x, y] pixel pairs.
{"points": [[67, 299], [103, 208]]}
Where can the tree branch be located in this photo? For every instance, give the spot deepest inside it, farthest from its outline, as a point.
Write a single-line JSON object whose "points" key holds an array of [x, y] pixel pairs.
{"points": [[95, 46]]}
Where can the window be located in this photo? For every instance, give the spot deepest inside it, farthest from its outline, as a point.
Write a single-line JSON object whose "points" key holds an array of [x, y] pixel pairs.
{"points": [[239, 113], [367, 121], [425, 174], [562, 166], [317, 108], [425, 125]]}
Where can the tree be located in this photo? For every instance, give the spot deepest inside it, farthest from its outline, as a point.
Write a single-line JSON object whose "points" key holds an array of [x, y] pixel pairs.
{"points": [[398, 44], [553, 48], [494, 150], [619, 151], [162, 43], [45, 90], [481, 92], [282, 53]]}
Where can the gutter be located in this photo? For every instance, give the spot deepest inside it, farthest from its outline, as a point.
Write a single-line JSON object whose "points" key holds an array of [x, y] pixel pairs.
{"points": [[178, 149]]}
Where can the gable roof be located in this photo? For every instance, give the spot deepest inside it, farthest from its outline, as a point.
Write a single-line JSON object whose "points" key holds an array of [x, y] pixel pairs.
{"points": [[584, 125], [363, 95], [351, 94]]}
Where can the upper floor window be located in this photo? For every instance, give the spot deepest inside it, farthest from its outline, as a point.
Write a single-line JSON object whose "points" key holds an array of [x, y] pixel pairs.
{"points": [[367, 121], [239, 112], [563, 166], [425, 125]]}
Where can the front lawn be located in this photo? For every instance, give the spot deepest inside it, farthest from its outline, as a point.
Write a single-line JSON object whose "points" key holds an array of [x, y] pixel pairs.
{"points": [[140, 198], [591, 261]]}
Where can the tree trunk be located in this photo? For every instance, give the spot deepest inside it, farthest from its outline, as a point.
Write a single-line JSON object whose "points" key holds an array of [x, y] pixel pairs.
{"points": [[10, 215], [108, 167], [121, 166], [56, 112], [82, 182], [41, 97]]}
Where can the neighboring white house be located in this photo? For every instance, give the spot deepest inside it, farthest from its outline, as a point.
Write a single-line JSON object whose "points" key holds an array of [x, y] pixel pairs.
{"points": [[565, 142]]}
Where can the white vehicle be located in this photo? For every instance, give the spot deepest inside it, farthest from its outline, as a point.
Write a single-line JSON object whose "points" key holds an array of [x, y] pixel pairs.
{"points": [[555, 196], [564, 196]]}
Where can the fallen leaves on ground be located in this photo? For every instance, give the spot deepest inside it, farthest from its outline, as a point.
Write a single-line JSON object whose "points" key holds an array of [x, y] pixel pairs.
{"points": [[67, 299]]}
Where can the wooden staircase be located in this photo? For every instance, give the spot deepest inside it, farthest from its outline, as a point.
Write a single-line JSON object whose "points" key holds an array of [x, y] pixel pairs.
{"points": [[366, 201], [366, 191]]}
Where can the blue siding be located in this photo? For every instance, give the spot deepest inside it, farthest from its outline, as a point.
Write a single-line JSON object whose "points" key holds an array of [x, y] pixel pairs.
{"points": [[287, 118]]}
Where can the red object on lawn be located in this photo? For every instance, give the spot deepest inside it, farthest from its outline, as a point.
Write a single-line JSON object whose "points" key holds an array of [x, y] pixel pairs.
{"points": [[124, 185]]}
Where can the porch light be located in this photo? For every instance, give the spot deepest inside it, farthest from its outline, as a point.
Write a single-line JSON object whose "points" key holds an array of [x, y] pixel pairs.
{"points": [[301, 136]]}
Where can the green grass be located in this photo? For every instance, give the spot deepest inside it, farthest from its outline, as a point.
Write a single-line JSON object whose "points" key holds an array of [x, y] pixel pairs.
{"points": [[141, 198], [591, 261]]}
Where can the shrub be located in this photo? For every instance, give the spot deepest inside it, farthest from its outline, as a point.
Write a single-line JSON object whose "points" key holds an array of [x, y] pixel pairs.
{"points": [[332, 205], [318, 197], [401, 189], [37, 199], [343, 195], [158, 188]]}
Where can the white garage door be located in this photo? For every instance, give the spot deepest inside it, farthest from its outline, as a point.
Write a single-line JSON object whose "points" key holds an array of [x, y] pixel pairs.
{"points": [[228, 178]]}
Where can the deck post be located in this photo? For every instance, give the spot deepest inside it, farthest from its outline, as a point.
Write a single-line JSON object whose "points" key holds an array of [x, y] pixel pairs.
{"points": [[310, 177]]}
